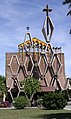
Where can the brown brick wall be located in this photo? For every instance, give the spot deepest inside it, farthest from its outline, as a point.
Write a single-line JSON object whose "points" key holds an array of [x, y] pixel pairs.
{"points": [[15, 67]]}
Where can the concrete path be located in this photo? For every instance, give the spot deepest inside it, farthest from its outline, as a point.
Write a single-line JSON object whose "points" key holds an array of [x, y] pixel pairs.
{"points": [[8, 108], [68, 106]]}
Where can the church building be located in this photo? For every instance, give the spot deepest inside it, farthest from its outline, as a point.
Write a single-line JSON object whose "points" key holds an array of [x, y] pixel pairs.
{"points": [[37, 59]]}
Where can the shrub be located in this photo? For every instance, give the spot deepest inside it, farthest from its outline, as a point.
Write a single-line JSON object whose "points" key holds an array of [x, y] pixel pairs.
{"points": [[54, 101], [66, 94], [20, 102]]}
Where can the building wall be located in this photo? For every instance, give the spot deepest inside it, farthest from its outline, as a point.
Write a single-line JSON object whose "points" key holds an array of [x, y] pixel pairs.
{"points": [[19, 66]]}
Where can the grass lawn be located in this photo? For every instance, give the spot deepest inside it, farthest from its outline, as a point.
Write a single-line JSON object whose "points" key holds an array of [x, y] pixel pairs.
{"points": [[35, 114]]}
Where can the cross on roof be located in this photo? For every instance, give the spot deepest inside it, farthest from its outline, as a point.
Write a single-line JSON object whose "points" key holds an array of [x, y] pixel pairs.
{"points": [[47, 10]]}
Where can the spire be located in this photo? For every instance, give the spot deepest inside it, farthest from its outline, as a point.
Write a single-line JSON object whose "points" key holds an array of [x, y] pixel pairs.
{"points": [[27, 37], [47, 10], [48, 27]]}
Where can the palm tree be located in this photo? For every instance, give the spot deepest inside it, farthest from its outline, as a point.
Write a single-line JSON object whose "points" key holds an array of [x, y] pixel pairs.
{"points": [[69, 6]]}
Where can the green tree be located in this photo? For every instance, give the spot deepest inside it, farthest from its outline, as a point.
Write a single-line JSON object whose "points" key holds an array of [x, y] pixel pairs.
{"points": [[2, 87], [69, 6], [31, 86]]}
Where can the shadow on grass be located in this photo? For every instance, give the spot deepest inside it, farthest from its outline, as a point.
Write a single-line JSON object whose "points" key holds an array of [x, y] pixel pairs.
{"points": [[56, 116]]}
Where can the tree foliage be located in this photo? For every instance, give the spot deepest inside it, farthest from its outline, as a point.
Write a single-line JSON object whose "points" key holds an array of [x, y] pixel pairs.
{"points": [[2, 87], [69, 6], [2, 84]]}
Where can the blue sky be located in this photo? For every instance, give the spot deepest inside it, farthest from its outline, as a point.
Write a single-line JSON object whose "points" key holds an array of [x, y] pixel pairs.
{"points": [[15, 15]]}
